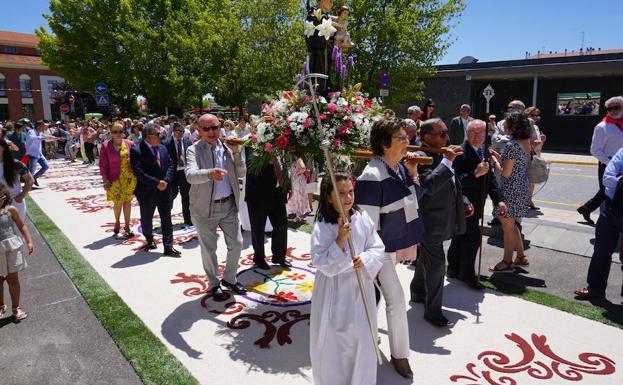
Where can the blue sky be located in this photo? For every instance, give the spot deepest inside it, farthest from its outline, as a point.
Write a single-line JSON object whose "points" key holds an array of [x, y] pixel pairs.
{"points": [[488, 29]]}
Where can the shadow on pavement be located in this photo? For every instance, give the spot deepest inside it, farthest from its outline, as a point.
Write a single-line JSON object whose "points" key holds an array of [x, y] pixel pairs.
{"points": [[137, 259]]}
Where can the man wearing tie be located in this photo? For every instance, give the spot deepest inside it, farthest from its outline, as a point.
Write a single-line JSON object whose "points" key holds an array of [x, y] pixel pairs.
{"points": [[213, 170], [154, 172], [177, 146], [472, 170], [458, 125]]}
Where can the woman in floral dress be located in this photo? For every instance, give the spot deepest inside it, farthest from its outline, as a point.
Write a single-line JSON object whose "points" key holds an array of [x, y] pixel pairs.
{"points": [[119, 180]]}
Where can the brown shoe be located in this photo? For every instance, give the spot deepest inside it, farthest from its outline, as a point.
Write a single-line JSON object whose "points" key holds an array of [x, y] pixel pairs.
{"points": [[402, 367]]}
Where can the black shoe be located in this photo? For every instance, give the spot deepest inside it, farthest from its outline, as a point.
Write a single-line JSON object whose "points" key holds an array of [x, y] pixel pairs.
{"points": [[36, 182], [402, 367], [235, 287], [475, 285], [451, 274], [262, 265], [172, 253], [218, 294], [439, 321], [284, 264], [586, 214], [151, 245]]}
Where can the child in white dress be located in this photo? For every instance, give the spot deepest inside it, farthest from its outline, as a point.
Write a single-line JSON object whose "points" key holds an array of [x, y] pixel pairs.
{"points": [[341, 346], [11, 259]]}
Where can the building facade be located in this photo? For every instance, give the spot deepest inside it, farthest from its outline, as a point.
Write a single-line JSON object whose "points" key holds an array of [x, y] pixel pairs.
{"points": [[25, 82], [569, 90]]}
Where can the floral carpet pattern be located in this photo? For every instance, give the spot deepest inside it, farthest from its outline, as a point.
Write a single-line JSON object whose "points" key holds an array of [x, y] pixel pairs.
{"points": [[263, 337]]}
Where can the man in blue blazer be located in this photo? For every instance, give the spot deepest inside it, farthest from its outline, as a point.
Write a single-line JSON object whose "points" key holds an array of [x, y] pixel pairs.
{"points": [[177, 146], [154, 173]]}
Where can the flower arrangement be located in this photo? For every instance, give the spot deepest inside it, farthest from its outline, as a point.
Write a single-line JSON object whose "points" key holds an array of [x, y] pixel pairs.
{"points": [[289, 127]]}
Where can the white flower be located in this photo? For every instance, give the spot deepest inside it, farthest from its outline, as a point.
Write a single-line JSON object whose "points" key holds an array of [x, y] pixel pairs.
{"points": [[326, 29], [310, 28], [280, 107], [298, 117], [318, 13], [342, 102], [261, 130]]}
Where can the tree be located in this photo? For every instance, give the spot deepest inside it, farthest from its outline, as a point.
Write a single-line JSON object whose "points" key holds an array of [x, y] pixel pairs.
{"points": [[406, 37]]}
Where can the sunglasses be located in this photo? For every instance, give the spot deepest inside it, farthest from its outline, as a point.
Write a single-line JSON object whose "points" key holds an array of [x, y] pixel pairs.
{"points": [[442, 134], [116, 132], [613, 108], [210, 128]]}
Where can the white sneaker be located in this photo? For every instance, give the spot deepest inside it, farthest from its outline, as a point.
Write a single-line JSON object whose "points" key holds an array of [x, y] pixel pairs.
{"points": [[2, 311]]}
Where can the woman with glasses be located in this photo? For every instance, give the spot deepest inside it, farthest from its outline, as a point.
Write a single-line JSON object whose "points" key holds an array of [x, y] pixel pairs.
{"points": [[119, 180], [537, 139], [429, 110], [386, 191]]}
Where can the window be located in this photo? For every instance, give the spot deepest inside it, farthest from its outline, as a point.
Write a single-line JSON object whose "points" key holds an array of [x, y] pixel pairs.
{"points": [[24, 84], [4, 112], [28, 111], [10, 50], [578, 104], [2, 86], [38, 53]]}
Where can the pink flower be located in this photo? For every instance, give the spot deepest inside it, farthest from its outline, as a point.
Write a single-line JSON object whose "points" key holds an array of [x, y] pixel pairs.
{"points": [[287, 131], [324, 117], [268, 147], [254, 137], [332, 107], [336, 143], [342, 130], [349, 124], [281, 142], [278, 122], [307, 123], [367, 102]]}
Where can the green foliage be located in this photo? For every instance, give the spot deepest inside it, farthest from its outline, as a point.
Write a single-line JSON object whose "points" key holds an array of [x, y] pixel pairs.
{"points": [[174, 51]]}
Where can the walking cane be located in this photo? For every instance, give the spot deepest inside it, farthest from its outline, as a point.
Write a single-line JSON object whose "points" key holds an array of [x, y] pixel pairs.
{"points": [[329, 164], [485, 182]]}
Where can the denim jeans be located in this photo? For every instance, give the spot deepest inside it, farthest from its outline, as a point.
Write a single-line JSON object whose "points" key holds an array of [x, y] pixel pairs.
{"points": [[32, 164]]}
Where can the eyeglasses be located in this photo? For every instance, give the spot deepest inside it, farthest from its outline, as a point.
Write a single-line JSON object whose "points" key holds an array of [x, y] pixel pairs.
{"points": [[402, 138], [116, 132], [210, 128], [442, 134], [613, 108]]}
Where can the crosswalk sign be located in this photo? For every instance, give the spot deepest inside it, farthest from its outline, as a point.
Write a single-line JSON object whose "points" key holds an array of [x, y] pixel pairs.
{"points": [[101, 100]]}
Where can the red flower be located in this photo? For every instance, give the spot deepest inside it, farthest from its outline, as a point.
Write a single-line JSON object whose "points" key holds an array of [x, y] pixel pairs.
{"points": [[332, 107], [296, 276], [287, 131], [282, 296], [367, 102], [342, 131], [324, 117], [307, 123], [268, 147], [281, 142], [336, 143]]}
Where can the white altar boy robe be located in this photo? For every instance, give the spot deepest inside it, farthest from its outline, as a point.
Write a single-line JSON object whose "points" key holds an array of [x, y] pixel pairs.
{"points": [[341, 347]]}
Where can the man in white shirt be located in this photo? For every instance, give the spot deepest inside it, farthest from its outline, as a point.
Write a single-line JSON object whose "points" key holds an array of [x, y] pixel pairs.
{"points": [[458, 126], [177, 146], [607, 140], [34, 151]]}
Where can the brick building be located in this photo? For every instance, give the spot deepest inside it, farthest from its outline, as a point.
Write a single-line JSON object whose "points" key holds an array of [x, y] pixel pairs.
{"points": [[25, 82]]}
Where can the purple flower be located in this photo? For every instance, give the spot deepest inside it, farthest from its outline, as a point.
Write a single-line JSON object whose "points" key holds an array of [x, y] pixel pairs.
{"points": [[338, 63], [335, 53], [343, 71], [305, 67], [351, 61], [299, 81]]}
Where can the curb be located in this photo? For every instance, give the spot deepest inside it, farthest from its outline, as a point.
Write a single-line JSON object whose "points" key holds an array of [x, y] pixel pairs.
{"points": [[573, 163]]}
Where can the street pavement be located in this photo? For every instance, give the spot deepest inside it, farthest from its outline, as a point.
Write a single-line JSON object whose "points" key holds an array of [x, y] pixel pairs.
{"points": [[61, 342]]}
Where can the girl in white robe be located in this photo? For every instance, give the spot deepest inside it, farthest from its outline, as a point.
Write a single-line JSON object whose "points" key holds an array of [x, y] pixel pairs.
{"points": [[341, 346]]}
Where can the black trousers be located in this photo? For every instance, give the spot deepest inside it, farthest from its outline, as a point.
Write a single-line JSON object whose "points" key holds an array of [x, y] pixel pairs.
{"points": [[463, 251], [596, 201], [148, 208], [180, 184], [275, 210], [88, 150], [609, 227], [428, 277]]}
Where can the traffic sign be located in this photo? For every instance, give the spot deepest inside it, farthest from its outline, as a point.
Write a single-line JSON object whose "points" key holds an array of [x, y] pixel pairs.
{"points": [[384, 79], [64, 108], [101, 100], [101, 88], [383, 92]]}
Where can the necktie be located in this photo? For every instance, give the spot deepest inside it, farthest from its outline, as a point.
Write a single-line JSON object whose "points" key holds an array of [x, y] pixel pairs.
{"points": [[480, 153], [156, 154], [180, 159]]}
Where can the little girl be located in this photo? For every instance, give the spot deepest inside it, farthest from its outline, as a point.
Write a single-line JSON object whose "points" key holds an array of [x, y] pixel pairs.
{"points": [[341, 347], [11, 259]]}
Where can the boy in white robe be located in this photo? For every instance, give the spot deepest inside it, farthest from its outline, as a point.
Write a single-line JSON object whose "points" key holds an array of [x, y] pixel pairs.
{"points": [[341, 347]]}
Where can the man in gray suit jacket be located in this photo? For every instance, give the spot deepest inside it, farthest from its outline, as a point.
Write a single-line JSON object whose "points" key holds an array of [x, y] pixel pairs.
{"points": [[458, 125], [443, 209], [213, 169]]}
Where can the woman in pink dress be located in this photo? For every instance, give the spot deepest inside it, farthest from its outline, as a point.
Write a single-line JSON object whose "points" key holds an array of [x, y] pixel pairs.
{"points": [[298, 203]]}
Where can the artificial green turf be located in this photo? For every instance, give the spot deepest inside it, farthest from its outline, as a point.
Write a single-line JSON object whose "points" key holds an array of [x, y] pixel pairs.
{"points": [[151, 360]]}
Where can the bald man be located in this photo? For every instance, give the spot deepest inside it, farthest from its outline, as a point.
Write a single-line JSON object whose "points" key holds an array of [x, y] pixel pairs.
{"points": [[213, 169]]}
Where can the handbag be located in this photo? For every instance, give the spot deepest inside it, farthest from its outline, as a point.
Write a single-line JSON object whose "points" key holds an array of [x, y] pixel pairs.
{"points": [[538, 169]]}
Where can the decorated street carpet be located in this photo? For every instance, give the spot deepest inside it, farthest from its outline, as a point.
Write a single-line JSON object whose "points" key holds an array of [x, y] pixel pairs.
{"points": [[263, 337]]}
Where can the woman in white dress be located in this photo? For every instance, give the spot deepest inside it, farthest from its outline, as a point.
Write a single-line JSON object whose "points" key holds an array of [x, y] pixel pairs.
{"points": [[341, 347]]}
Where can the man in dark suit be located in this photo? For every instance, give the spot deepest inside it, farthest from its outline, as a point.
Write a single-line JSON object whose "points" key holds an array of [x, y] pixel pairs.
{"points": [[473, 171], [443, 210], [177, 146], [266, 197], [154, 173], [458, 125]]}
